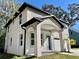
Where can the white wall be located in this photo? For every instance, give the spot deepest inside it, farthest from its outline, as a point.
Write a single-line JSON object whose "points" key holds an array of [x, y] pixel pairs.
{"points": [[56, 34], [57, 45], [65, 33], [15, 31], [33, 13], [29, 13]]}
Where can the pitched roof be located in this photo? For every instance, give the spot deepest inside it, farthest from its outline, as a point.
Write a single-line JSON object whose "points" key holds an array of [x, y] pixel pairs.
{"points": [[37, 19], [23, 6], [30, 22]]}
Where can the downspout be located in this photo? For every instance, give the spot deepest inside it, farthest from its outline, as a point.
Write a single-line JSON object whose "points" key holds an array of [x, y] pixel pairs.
{"points": [[5, 49], [24, 40], [62, 39]]}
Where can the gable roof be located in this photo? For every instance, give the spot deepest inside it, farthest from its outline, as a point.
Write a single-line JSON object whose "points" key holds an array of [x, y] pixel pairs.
{"points": [[23, 6], [37, 19], [30, 22]]}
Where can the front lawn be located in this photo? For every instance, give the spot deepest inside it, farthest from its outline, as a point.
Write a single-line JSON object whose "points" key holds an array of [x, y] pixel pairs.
{"points": [[75, 48], [10, 56], [58, 56], [53, 56]]}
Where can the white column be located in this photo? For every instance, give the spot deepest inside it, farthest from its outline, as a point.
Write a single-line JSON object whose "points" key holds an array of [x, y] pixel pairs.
{"points": [[68, 43], [61, 41], [52, 41], [38, 41]]}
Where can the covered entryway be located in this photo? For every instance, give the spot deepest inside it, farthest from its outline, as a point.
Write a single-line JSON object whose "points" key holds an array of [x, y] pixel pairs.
{"points": [[45, 37], [40, 34]]}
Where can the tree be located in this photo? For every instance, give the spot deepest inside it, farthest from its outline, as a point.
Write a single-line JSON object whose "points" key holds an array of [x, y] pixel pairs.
{"points": [[74, 9], [57, 11], [7, 9], [67, 18]]}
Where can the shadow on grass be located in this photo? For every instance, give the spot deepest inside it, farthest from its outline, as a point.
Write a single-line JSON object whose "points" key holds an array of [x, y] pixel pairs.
{"points": [[11, 56], [6, 56], [30, 57]]}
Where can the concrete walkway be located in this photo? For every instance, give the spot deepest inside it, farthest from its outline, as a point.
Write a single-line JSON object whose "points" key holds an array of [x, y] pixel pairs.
{"points": [[73, 52]]}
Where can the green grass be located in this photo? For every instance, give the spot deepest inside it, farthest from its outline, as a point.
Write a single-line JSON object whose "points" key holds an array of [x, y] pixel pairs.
{"points": [[10, 56], [53, 56], [75, 48], [58, 56]]}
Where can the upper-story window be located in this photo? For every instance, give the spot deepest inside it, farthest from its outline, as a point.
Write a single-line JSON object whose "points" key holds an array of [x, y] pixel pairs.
{"points": [[13, 21], [71, 33], [21, 39], [11, 42], [8, 28], [20, 18]]}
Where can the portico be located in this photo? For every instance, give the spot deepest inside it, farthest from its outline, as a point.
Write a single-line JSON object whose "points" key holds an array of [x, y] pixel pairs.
{"points": [[40, 36]]}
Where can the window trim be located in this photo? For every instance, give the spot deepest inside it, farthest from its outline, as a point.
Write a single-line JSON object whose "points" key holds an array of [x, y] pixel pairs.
{"points": [[42, 39], [21, 39], [11, 41], [32, 39], [8, 28], [20, 19]]}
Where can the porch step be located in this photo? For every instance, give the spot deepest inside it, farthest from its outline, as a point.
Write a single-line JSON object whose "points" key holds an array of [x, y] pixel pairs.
{"points": [[47, 52]]}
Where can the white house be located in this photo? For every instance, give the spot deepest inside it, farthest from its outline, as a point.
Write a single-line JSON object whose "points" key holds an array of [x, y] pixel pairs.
{"points": [[32, 31]]}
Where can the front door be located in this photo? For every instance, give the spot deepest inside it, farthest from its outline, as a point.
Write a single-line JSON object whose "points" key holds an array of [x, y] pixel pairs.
{"points": [[49, 42]]}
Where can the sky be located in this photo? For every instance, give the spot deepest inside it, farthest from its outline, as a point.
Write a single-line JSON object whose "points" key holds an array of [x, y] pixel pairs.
{"points": [[76, 26], [59, 3], [39, 3]]}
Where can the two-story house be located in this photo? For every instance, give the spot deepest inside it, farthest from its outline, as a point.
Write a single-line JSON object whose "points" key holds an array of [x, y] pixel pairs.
{"points": [[32, 31]]}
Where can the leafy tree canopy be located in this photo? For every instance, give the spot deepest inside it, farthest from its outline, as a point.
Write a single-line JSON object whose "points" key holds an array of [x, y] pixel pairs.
{"points": [[69, 18]]}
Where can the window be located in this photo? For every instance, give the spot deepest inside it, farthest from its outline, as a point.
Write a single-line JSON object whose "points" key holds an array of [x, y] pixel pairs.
{"points": [[71, 33], [13, 21], [41, 39], [11, 42], [32, 39], [8, 28], [32, 35], [32, 42], [21, 39], [20, 18], [41, 36]]}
